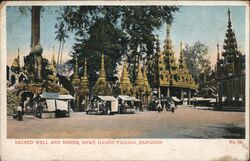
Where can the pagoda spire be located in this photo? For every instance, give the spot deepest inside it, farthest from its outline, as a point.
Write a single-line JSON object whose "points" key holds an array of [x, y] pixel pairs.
{"points": [[15, 67], [126, 87], [139, 82], [147, 89], [229, 19], [167, 63], [181, 51], [230, 43], [218, 52], [53, 56], [101, 86], [139, 78], [18, 55], [102, 70], [168, 41], [84, 81], [181, 62], [76, 68], [53, 61], [85, 68]]}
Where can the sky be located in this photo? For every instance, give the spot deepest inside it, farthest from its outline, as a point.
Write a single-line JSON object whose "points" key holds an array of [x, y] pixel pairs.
{"points": [[206, 24]]}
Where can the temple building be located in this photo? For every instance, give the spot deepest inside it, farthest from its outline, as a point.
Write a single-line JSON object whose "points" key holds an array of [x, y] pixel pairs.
{"points": [[101, 86], [174, 79], [230, 71]]}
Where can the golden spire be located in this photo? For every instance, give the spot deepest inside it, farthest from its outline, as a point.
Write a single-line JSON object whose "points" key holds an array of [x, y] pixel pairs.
{"points": [[76, 68], [53, 62], [181, 61], [139, 82], [168, 41], [146, 84], [76, 80], [126, 87], [53, 56], [85, 68], [181, 50], [84, 81], [16, 64], [102, 70], [101, 86]]}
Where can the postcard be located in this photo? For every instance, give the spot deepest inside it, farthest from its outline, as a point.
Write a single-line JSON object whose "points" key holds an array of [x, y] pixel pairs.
{"points": [[124, 80]]}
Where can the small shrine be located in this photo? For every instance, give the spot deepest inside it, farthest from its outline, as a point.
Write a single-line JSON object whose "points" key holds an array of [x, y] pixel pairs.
{"points": [[101, 86], [76, 85], [126, 87], [84, 83], [142, 90], [139, 83]]}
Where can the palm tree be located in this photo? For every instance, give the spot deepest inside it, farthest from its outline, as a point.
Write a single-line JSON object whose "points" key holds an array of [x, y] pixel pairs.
{"points": [[65, 36], [61, 35]]}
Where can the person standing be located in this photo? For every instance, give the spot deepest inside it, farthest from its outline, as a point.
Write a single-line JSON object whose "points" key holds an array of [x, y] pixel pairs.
{"points": [[19, 113], [159, 107]]}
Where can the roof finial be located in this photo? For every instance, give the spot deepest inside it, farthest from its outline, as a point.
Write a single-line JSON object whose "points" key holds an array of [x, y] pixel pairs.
{"points": [[168, 30], [181, 50], [229, 18], [18, 54], [85, 68], [53, 56], [76, 68], [218, 52]]}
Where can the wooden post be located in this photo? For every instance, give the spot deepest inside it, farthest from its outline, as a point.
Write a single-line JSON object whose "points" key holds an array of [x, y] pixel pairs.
{"points": [[189, 96], [182, 96], [219, 95], [159, 92], [168, 91]]}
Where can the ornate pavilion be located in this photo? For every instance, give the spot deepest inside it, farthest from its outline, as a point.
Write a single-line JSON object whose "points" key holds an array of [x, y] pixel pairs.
{"points": [[230, 71], [173, 79]]}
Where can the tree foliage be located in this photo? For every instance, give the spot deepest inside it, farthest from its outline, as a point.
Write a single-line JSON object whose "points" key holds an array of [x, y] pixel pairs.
{"points": [[196, 59], [117, 31]]}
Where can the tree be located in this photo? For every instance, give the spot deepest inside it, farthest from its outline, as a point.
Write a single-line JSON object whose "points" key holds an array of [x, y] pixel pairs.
{"points": [[104, 37], [196, 59], [137, 23], [61, 34]]}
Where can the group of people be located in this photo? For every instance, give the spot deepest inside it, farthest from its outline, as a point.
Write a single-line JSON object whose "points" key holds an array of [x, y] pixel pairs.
{"points": [[168, 106]]}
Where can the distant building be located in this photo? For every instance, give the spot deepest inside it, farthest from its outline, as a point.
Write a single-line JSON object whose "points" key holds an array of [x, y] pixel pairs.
{"points": [[230, 71]]}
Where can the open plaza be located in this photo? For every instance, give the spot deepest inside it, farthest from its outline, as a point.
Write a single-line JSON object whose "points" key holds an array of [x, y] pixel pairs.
{"points": [[185, 122]]}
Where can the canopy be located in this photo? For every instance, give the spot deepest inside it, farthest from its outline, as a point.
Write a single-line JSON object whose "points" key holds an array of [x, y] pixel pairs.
{"points": [[107, 98], [65, 97], [176, 99], [135, 99], [48, 95], [128, 98]]}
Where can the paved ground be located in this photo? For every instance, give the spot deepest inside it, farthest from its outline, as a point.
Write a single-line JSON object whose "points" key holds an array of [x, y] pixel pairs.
{"points": [[186, 122]]}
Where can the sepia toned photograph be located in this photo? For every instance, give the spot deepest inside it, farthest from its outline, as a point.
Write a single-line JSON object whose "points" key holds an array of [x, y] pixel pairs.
{"points": [[122, 75]]}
